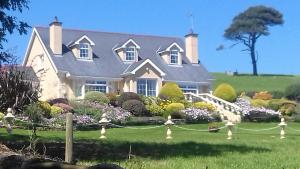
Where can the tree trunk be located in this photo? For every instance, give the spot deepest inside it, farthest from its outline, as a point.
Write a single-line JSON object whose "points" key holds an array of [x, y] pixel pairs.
{"points": [[253, 56]]}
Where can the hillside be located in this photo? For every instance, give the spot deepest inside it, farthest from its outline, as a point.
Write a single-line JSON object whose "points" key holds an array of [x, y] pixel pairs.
{"points": [[258, 83]]}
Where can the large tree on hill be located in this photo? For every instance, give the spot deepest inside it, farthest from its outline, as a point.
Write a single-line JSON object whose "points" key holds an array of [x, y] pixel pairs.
{"points": [[251, 24], [9, 23]]}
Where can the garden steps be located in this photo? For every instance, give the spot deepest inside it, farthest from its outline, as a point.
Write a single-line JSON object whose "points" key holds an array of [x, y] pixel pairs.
{"points": [[228, 111]]}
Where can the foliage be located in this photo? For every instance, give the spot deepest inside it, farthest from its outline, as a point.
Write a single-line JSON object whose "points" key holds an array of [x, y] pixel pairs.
{"points": [[9, 23], [35, 113], [127, 96], [112, 98], [259, 103], [58, 100], [226, 92], [46, 108], [136, 107], [251, 24], [171, 91], [174, 109], [293, 91], [16, 89], [55, 111], [256, 113], [205, 106], [152, 105], [1, 116], [277, 94], [200, 115], [97, 97], [263, 95], [288, 109], [65, 107]]}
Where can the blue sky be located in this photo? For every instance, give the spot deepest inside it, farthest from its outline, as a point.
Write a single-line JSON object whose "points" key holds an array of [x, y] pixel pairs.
{"points": [[278, 53]]}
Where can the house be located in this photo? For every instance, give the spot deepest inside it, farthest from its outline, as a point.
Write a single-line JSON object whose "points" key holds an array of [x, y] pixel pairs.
{"points": [[71, 62]]}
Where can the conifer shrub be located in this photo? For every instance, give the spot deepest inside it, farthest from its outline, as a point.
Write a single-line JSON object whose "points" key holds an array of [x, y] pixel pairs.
{"points": [[171, 91], [225, 92], [97, 97]]}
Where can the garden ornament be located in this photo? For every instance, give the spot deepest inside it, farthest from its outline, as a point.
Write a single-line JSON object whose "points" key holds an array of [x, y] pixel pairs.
{"points": [[229, 125], [282, 125], [103, 122], [169, 123], [9, 118]]}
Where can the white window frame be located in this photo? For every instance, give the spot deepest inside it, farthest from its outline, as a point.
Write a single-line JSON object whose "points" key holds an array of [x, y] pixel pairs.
{"points": [[176, 55], [146, 88], [95, 84], [84, 47], [130, 52], [187, 87]]}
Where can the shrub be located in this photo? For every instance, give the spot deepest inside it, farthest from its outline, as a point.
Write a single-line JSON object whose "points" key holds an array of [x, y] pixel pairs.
{"points": [[259, 103], [288, 109], [173, 109], [152, 105], [263, 95], [1, 116], [277, 94], [226, 92], [35, 113], [171, 91], [58, 100], [46, 108], [16, 89], [204, 105], [127, 96], [65, 107], [112, 98], [199, 115], [275, 104], [136, 107], [293, 91], [55, 111], [97, 97]]}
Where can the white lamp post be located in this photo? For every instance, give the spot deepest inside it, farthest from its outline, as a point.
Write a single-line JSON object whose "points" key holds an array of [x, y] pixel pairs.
{"points": [[229, 125], [103, 122], [9, 118], [169, 123], [282, 125]]}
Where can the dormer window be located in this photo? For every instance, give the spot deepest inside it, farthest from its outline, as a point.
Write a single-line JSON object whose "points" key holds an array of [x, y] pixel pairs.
{"points": [[84, 50], [174, 57], [130, 53]]}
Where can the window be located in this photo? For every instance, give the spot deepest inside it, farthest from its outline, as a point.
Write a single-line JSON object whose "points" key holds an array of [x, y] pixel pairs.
{"points": [[84, 50], [130, 53], [146, 87], [99, 86], [174, 56], [189, 88]]}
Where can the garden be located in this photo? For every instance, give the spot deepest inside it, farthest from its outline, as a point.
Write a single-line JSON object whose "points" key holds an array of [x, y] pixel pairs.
{"points": [[136, 135]]}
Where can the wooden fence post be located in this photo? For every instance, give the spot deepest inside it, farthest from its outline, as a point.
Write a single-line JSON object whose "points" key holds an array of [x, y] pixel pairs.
{"points": [[69, 138]]}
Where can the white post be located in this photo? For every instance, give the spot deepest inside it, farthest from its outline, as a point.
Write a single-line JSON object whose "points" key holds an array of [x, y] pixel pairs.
{"points": [[69, 138], [9, 118], [282, 125], [168, 123], [103, 122], [229, 127]]}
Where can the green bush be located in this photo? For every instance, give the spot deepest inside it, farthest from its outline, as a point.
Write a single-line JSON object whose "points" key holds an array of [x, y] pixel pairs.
{"points": [[174, 109], [1, 116], [205, 105], [259, 103], [55, 111], [226, 92], [97, 97], [136, 107], [277, 94], [127, 96], [46, 108], [293, 91], [275, 104], [152, 105], [171, 91], [112, 98]]}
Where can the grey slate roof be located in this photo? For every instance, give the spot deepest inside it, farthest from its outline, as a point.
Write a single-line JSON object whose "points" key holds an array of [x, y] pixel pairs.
{"points": [[106, 63]]}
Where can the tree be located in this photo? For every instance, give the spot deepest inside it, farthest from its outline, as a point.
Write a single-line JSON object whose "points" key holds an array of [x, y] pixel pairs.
{"points": [[10, 23], [251, 24]]}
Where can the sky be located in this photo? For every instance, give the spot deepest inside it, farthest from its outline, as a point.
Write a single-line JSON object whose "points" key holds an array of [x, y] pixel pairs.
{"points": [[278, 52]]}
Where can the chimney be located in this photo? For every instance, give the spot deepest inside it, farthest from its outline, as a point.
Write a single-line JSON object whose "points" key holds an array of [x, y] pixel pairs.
{"points": [[56, 36], [191, 47]]}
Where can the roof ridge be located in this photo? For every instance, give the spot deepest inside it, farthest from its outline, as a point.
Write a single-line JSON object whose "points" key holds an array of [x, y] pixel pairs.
{"points": [[121, 33]]}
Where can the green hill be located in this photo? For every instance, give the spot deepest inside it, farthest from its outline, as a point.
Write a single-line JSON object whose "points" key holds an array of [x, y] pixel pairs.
{"points": [[256, 83]]}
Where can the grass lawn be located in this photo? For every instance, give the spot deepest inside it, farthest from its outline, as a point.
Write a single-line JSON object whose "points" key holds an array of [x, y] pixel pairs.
{"points": [[255, 83], [188, 149]]}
